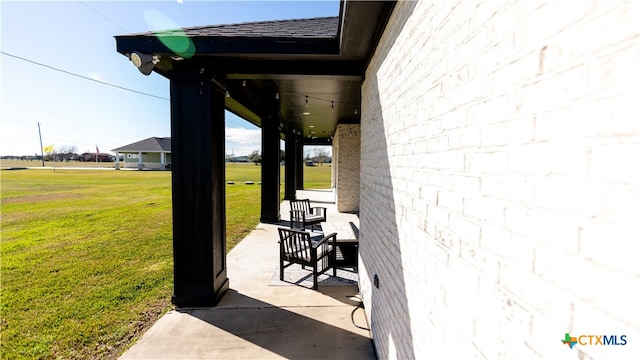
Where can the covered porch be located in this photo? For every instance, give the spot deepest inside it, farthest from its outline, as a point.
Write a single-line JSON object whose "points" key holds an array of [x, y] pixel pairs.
{"points": [[298, 80], [260, 317]]}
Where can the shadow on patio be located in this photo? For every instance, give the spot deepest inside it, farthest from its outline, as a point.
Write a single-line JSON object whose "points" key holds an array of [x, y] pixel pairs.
{"points": [[261, 317]]}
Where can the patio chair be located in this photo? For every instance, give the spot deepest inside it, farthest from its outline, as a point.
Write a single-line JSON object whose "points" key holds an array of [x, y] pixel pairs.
{"points": [[298, 247], [303, 214]]}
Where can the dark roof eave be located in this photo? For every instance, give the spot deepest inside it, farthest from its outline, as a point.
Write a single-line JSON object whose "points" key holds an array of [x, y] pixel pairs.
{"points": [[234, 45]]}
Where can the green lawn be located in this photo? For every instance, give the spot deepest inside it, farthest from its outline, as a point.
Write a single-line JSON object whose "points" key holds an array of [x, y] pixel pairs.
{"points": [[317, 177], [83, 272], [38, 163]]}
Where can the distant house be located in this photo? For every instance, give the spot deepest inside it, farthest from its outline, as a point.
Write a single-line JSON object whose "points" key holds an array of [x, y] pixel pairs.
{"points": [[88, 156], [153, 154], [236, 159]]}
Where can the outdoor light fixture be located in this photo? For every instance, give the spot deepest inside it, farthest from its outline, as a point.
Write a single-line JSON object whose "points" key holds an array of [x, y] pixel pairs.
{"points": [[144, 62]]}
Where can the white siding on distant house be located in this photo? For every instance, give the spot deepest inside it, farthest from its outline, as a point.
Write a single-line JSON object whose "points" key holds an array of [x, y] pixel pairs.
{"points": [[149, 160], [151, 157]]}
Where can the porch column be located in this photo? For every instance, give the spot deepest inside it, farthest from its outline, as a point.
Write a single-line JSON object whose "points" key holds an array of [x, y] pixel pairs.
{"points": [[197, 145], [270, 209], [346, 167], [299, 164], [290, 168], [162, 160]]}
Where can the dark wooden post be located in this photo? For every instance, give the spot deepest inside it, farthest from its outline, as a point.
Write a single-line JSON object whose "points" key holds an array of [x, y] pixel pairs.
{"points": [[290, 168], [299, 164], [270, 212], [197, 146]]}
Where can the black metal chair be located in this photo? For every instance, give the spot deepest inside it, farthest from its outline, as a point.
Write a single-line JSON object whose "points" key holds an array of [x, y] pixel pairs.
{"points": [[299, 247], [302, 213]]}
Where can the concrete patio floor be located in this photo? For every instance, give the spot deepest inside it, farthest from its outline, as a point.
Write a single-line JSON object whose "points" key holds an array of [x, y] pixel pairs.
{"points": [[256, 320]]}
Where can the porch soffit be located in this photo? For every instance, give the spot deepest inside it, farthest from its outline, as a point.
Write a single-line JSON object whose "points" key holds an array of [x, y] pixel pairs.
{"points": [[304, 73]]}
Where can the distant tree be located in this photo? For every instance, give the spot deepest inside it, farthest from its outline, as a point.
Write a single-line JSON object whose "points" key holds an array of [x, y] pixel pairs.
{"points": [[66, 152], [63, 149], [320, 156], [255, 157], [281, 155]]}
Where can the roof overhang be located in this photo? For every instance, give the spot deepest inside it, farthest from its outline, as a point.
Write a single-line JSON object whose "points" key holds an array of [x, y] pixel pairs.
{"points": [[308, 78]]}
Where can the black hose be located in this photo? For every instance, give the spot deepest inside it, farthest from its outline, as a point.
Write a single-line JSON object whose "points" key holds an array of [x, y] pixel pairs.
{"points": [[359, 306]]}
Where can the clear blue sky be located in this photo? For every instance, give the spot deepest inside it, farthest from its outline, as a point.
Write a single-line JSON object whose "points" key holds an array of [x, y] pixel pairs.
{"points": [[78, 37]]}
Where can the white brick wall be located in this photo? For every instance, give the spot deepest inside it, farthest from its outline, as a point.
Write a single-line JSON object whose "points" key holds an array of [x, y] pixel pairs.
{"points": [[500, 180], [346, 167]]}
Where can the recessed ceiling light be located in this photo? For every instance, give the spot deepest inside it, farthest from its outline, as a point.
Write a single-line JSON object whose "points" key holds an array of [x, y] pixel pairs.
{"points": [[306, 113], [311, 126]]}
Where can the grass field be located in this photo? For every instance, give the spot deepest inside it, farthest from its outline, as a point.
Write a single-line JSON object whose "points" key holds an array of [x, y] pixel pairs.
{"points": [[38, 163], [83, 273]]}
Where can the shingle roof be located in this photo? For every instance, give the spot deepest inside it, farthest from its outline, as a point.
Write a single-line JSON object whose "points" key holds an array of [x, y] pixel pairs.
{"points": [[152, 144], [314, 28]]}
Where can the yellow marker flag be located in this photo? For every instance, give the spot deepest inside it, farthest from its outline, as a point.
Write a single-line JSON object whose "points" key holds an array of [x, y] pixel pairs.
{"points": [[48, 149]]}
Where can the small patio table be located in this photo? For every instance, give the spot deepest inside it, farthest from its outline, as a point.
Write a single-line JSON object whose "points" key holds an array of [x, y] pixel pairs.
{"points": [[346, 239]]}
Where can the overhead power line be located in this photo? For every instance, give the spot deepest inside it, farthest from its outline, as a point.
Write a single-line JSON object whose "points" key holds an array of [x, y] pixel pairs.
{"points": [[104, 17], [82, 76]]}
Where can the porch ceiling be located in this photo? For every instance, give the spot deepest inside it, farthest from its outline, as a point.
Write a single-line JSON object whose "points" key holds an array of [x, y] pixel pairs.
{"points": [[287, 71]]}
